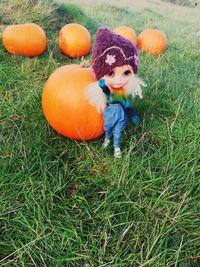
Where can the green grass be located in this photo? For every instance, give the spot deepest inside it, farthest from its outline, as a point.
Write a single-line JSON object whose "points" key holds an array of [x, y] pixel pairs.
{"points": [[66, 202]]}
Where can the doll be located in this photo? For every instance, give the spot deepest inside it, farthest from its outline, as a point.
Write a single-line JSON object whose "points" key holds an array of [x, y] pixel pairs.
{"points": [[114, 64]]}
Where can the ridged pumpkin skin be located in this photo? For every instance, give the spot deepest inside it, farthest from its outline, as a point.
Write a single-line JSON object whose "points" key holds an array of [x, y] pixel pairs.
{"points": [[74, 40], [151, 41], [24, 39], [66, 107], [127, 33]]}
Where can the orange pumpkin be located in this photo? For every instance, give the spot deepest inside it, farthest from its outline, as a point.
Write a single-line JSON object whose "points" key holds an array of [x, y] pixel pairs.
{"points": [[74, 40], [66, 107], [24, 39], [152, 41], [127, 33]]}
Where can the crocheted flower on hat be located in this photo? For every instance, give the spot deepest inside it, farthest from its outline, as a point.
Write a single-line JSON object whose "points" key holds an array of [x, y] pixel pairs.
{"points": [[110, 59]]}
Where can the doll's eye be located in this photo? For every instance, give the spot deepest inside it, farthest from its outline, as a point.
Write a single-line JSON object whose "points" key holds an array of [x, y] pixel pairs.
{"points": [[127, 72], [110, 74]]}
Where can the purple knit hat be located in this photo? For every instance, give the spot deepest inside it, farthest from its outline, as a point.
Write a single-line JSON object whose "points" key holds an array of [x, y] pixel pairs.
{"points": [[111, 50]]}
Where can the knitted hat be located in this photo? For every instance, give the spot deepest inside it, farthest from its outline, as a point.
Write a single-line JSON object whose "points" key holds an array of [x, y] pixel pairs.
{"points": [[111, 50]]}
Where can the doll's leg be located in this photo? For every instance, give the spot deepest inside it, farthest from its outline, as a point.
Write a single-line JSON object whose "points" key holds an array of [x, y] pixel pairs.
{"points": [[132, 114], [108, 126], [106, 141], [117, 132]]}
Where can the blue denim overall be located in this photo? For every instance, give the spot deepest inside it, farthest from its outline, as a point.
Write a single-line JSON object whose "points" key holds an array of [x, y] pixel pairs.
{"points": [[115, 116]]}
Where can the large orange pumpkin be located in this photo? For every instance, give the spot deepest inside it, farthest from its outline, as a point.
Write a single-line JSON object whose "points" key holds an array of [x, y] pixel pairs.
{"points": [[152, 41], [24, 39], [126, 32], [74, 40], [66, 107]]}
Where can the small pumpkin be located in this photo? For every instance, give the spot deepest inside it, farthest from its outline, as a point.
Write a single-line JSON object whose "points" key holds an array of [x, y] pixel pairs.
{"points": [[126, 32], [152, 41], [27, 39], [66, 107], [74, 40]]}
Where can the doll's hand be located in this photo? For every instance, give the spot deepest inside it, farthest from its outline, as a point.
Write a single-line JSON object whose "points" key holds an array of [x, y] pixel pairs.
{"points": [[132, 114]]}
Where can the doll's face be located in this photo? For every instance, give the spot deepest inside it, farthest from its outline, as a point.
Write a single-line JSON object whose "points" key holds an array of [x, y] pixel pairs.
{"points": [[118, 76]]}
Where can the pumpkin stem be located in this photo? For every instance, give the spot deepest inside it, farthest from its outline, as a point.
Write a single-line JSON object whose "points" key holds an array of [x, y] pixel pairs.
{"points": [[84, 63]]}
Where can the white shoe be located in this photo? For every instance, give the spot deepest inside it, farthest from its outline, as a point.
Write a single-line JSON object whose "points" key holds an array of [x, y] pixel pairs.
{"points": [[106, 143], [117, 153]]}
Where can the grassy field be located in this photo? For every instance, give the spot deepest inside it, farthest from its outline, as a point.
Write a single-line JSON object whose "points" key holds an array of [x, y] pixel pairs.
{"points": [[67, 203]]}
